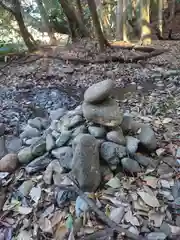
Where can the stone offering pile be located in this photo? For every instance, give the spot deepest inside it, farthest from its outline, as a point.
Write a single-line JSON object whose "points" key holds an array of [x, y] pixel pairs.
{"points": [[106, 152], [84, 139]]}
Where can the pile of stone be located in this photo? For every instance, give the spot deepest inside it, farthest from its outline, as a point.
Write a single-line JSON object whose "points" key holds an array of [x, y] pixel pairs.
{"points": [[88, 139]]}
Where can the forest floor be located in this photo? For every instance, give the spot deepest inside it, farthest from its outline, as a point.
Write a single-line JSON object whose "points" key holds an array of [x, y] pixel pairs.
{"points": [[32, 86], [149, 87]]}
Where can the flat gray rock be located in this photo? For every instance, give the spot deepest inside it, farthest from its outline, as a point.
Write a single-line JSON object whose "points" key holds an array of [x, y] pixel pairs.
{"points": [[25, 155], [98, 132], [50, 142], [38, 164], [64, 155], [79, 130], [31, 141], [129, 125], [131, 144], [77, 139], [112, 152], [26, 187], [143, 160], [35, 123], [116, 136], [86, 167], [64, 123], [13, 144], [130, 165], [148, 138], [75, 121], [30, 132], [55, 134], [57, 114], [107, 113], [126, 123], [39, 147], [63, 138], [53, 125], [98, 92], [54, 167], [76, 111]]}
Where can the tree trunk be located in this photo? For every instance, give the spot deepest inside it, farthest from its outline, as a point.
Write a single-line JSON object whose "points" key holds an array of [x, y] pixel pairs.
{"points": [[125, 35], [80, 17], [79, 7], [119, 20], [145, 22], [171, 18], [15, 10], [27, 37], [97, 26], [51, 5], [76, 26], [46, 23], [160, 18]]}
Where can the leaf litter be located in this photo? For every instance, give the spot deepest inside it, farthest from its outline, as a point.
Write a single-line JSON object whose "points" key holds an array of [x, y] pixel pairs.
{"points": [[145, 197]]}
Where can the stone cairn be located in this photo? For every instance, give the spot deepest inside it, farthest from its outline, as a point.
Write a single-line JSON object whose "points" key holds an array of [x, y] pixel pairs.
{"points": [[87, 141]]}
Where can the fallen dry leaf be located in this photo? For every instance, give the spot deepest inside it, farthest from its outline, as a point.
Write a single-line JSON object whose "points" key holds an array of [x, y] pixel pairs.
{"points": [[151, 181], [57, 217], [48, 211], [114, 182], [117, 214], [35, 194], [88, 230], [25, 235], [45, 225], [148, 199], [115, 201], [71, 236], [128, 217], [160, 151], [60, 232], [148, 190], [174, 229], [156, 217], [24, 210], [167, 120]]}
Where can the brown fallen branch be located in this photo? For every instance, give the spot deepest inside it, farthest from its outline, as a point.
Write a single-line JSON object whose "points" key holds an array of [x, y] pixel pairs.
{"points": [[106, 234], [154, 53], [134, 47], [106, 59], [114, 226]]}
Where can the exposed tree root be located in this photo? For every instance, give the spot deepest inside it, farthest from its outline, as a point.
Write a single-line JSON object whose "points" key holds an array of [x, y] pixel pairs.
{"points": [[108, 59], [128, 46], [150, 52]]}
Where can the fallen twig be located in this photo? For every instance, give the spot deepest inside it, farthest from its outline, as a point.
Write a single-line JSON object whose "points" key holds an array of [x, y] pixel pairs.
{"points": [[106, 234], [133, 47], [108, 59], [99, 60], [114, 226]]}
